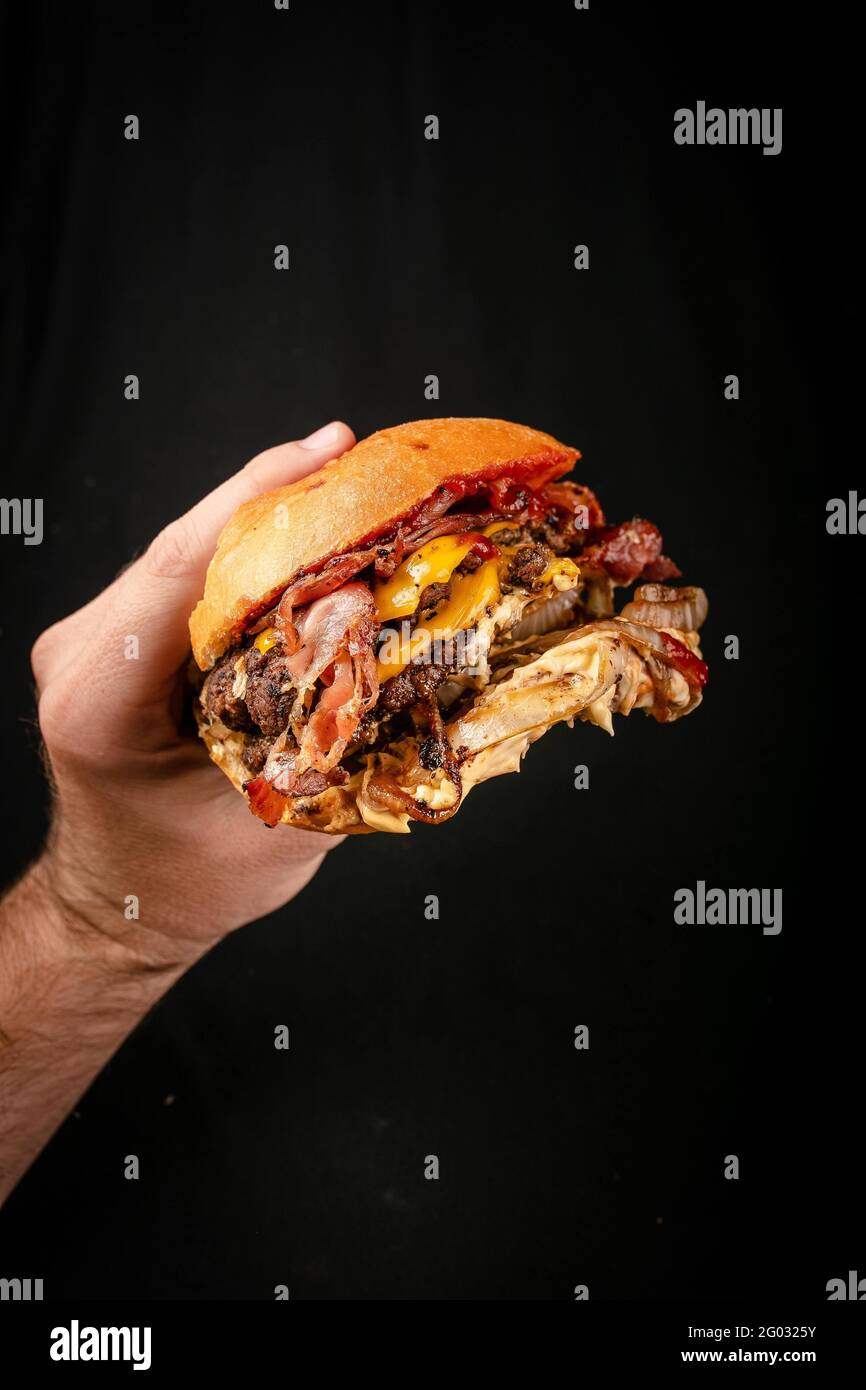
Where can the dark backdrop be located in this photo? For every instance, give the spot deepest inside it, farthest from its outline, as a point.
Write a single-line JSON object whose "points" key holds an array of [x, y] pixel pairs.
{"points": [[411, 257]]}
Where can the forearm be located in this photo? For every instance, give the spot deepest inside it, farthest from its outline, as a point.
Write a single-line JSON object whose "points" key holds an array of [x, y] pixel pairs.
{"points": [[69, 995], [140, 877]]}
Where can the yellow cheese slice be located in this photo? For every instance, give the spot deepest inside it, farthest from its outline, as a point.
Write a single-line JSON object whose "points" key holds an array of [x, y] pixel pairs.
{"points": [[471, 595], [433, 563]]}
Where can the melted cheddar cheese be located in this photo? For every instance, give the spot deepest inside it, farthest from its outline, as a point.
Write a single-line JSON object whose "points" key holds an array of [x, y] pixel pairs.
{"points": [[433, 563], [267, 639], [471, 596]]}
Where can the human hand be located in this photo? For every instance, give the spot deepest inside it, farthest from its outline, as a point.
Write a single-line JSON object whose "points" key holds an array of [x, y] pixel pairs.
{"points": [[139, 809]]}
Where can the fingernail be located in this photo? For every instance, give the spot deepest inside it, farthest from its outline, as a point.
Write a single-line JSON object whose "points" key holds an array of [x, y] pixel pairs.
{"points": [[320, 439]]}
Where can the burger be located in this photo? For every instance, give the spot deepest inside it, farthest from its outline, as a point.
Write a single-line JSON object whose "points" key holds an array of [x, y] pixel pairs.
{"points": [[381, 636]]}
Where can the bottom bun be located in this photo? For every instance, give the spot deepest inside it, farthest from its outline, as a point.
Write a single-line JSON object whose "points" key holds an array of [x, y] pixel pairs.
{"points": [[588, 673], [334, 812]]}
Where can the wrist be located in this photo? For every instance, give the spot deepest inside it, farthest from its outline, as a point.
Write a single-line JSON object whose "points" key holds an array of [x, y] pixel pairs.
{"points": [[79, 923], [70, 993]]}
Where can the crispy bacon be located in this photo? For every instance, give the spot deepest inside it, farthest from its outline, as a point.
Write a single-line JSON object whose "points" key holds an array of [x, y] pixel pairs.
{"points": [[514, 502], [429, 521], [269, 791], [264, 800], [335, 644], [392, 553], [661, 569], [324, 630], [516, 497], [385, 557], [627, 551], [569, 498], [509, 498], [696, 672], [444, 497], [341, 706], [315, 586]]}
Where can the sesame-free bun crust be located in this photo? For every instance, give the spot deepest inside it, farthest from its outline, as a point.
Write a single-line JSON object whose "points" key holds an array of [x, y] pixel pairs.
{"points": [[363, 494]]}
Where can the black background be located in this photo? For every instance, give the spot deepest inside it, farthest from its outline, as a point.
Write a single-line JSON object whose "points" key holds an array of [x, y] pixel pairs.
{"points": [[411, 257]]}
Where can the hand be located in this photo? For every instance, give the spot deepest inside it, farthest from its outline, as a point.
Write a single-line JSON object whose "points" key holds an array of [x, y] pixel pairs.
{"points": [[139, 810]]}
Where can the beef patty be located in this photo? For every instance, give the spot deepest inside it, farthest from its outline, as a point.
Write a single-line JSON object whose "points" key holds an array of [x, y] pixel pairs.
{"points": [[268, 697]]}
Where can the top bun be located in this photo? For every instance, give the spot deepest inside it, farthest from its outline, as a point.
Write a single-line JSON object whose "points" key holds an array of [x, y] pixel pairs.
{"points": [[353, 500]]}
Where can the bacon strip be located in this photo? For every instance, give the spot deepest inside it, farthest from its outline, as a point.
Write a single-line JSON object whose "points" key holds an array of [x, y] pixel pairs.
{"points": [[264, 800], [661, 569], [334, 644], [515, 497], [392, 553], [627, 551], [696, 671], [324, 630], [341, 706], [269, 792], [571, 497], [315, 586]]}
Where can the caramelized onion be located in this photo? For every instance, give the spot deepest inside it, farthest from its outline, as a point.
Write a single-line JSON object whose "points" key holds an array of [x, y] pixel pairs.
{"points": [[661, 606], [383, 788], [453, 688], [557, 612], [669, 649], [385, 791]]}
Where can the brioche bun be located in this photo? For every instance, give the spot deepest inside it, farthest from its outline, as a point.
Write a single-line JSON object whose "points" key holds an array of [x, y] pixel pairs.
{"points": [[353, 500]]}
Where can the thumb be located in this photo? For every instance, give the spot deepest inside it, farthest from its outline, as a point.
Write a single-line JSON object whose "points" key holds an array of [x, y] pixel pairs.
{"points": [[169, 578], [154, 597]]}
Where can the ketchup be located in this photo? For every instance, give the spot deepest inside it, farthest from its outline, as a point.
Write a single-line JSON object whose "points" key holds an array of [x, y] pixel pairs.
{"points": [[695, 671]]}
